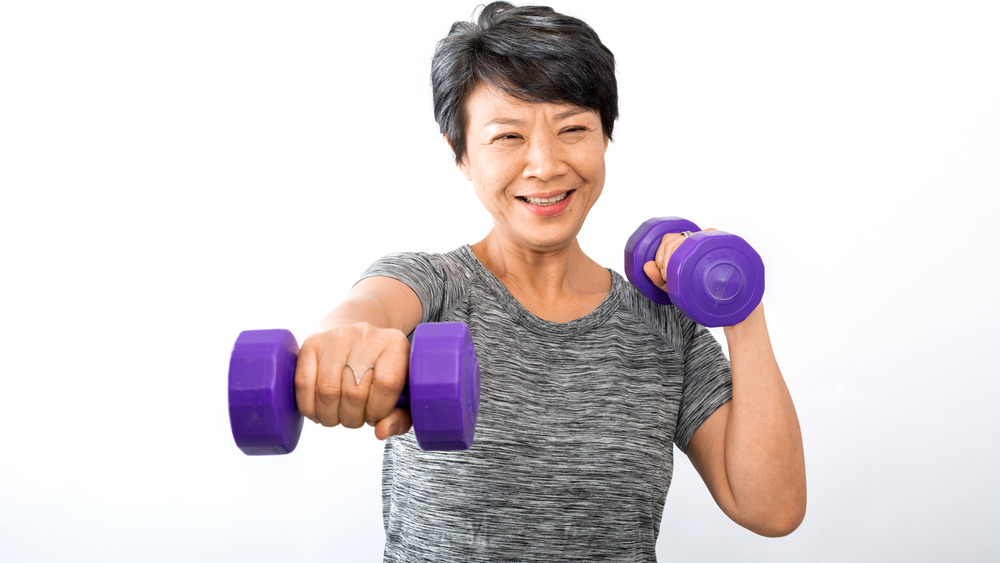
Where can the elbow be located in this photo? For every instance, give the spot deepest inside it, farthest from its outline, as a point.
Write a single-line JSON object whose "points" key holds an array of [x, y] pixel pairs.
{"points": [[774, 516], [782, 527], [779, 521], [780, 512]]}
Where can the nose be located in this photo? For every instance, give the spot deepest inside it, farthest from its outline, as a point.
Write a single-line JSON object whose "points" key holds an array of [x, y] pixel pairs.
{"points": [[544, 160]]}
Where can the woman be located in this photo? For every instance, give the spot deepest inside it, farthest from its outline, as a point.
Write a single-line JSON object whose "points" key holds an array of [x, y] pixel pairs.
{"points": [[586, 384]]}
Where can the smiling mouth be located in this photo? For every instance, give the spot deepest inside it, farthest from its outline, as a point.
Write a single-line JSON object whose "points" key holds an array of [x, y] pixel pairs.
{"points": [[543, 201]]}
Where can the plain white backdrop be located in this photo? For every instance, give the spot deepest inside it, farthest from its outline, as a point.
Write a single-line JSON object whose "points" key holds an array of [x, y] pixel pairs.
{"points": [[175, 172]]}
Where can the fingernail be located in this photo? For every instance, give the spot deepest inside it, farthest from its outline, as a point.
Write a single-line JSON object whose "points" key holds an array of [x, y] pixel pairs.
{"points": [[370, 421]]}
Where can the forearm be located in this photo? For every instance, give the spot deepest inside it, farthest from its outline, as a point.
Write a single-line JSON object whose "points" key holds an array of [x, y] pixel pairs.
{"points": [[763, 445], [356, 308], [380, 302]]}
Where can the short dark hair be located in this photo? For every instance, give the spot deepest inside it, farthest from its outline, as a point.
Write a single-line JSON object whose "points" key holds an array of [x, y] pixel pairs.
{"points": [[530, 52]]}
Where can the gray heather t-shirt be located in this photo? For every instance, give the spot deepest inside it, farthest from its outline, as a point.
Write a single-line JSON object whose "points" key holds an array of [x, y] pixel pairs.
{"points": [[573, 451]]}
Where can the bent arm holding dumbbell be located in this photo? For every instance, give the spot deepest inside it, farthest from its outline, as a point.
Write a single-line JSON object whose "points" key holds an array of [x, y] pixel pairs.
{"points": [[368, 328], [749, 452]]}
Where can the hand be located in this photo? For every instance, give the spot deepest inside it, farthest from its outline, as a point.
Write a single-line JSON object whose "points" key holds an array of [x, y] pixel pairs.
{"points": [[657, 269], [327, 390]]}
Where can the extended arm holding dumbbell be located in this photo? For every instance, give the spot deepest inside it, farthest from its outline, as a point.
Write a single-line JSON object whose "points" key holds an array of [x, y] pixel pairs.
{"points": [[353, 371], [749, 452]]}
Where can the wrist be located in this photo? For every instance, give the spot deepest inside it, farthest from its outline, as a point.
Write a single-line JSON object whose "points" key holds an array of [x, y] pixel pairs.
{"points": [[752, 324]]}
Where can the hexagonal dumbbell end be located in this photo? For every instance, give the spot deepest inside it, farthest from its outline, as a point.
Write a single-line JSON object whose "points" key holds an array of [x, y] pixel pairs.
{"points": [[641, 248], [262, 409], [715, 278], [444, 386]]}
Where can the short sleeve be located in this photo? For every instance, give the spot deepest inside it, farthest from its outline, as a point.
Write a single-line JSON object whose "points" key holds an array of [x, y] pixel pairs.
{"points": [[438, 280], [708, 381]]}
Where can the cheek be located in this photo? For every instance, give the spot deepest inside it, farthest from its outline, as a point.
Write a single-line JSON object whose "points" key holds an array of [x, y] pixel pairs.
{"points": [[493, 175], [593, 165], [485, 185]]}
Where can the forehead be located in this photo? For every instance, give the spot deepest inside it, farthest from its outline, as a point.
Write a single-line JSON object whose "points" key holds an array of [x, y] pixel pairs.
{"points": [[488, 104]]}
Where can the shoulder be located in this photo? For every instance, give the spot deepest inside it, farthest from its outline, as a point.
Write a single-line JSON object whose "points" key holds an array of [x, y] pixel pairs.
{"points": [[453, 264], [440, 280], [665, 321]]}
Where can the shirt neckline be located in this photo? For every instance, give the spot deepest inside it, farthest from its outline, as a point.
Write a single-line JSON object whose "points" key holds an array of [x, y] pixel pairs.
{"points": [[535, 323]]}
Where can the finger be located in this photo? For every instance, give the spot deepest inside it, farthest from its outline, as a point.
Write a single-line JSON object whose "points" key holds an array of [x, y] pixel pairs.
{"points": [[329, 385], [305, 382], [396, 424], [391, 369], [356, 378], [668, 244]]}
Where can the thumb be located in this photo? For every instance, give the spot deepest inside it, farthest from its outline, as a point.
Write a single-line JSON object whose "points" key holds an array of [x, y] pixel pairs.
{"points": [[396, 424], [655, 274]]}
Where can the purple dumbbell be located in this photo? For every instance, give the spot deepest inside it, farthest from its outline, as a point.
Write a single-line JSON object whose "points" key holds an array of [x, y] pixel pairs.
{"points": [[714, 278], [442, 392]]}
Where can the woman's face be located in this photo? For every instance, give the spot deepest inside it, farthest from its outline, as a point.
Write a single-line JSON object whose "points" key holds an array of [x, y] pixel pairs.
{"points": [[537, 167]]}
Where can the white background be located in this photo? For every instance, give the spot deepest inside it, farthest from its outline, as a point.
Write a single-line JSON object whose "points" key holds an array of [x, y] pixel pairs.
{"points": [[175, 172]]}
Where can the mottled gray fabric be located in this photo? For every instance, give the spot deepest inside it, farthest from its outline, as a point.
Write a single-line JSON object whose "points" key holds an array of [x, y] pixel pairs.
{"points": [[573, 452]]}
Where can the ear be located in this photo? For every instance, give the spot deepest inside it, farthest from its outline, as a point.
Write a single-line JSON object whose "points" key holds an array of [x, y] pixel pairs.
{"points": [[463, 165]]}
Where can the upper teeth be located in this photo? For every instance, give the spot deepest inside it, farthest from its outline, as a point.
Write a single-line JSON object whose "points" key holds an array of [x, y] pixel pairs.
{"points": [[546, 200]]}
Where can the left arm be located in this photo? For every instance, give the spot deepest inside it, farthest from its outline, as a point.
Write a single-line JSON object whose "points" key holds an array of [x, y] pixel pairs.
{"points": [[749, 452]]}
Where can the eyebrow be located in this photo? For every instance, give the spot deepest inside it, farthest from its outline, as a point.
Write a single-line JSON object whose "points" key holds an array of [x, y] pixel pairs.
{"points": [[516, 122]]}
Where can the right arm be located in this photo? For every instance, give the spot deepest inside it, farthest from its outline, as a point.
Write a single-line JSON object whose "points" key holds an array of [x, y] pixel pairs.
{"points": [[368, 328]]}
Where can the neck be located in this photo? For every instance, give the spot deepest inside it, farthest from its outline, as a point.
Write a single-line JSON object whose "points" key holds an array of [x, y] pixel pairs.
{"points": [[559, 283]]}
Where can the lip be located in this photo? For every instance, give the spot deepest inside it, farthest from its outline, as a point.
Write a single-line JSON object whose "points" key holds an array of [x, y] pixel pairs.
{"points": [[546, 194], [548, 210]]}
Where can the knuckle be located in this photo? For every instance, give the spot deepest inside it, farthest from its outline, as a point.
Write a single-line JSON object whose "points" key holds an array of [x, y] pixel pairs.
{"points": [[389, 384], [308, 343], [301, 382], [354, 394], [329, 421], [328, 392], [302, 379], [314, 343], [353, 424], [400, 338], [366, 329], [398, 344], [358, 331], [327, 417]]}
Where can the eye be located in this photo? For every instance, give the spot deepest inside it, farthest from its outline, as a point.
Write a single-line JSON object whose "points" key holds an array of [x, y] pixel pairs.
{"points": [[574, 133], [506, 140]]}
